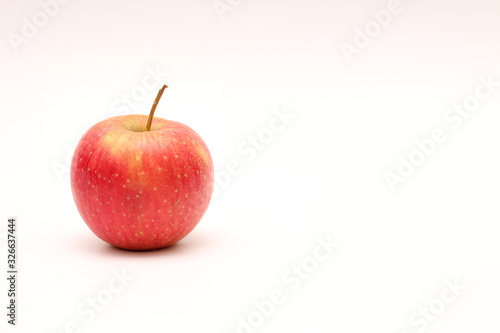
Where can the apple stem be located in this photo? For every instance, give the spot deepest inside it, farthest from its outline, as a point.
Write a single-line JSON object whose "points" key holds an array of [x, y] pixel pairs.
{"points": [[155, 104]]}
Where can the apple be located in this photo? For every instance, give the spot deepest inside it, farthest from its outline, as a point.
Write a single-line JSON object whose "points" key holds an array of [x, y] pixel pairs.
{"points": [[141, 183]]}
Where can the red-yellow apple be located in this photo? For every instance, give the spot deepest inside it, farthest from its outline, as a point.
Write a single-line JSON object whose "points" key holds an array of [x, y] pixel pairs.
{"points": [[141, 183]]}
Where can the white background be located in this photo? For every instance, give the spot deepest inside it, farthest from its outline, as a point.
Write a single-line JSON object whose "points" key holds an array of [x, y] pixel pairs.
{"points": [[323, 176]]}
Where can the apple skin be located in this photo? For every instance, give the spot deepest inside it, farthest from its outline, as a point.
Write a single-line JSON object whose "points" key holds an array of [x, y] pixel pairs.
{"points": [[141, 190]]}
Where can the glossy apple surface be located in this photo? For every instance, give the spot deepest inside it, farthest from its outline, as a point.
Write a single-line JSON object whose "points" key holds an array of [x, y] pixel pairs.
{"points": [[138, 189]]}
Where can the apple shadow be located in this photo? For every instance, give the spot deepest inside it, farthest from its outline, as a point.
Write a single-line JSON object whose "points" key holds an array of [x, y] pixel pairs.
{"points": [[172, 249], [194, 242]]}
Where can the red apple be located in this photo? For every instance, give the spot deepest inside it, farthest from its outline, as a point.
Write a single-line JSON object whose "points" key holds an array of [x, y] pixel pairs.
{"points": [[139, 183]]}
